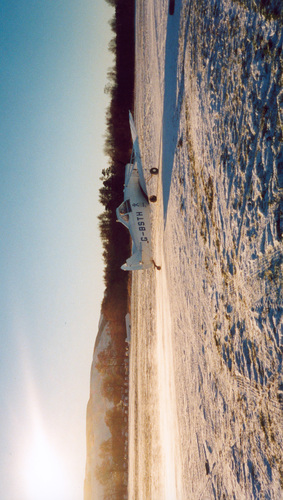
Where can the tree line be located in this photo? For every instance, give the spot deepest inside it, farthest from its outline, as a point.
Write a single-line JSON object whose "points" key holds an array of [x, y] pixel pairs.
{"points": [[112, 362], [120, 87]]}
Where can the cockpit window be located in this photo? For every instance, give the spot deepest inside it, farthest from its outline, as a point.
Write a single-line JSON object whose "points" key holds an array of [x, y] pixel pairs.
{"points": [[125, 207], [124, 210], [125, 217]]}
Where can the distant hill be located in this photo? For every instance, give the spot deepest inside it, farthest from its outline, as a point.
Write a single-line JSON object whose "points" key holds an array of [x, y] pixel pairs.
{"points": [[96, 428]]}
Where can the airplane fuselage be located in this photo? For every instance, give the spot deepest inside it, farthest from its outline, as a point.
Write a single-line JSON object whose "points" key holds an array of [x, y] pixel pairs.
{"points": [[134, 213]]}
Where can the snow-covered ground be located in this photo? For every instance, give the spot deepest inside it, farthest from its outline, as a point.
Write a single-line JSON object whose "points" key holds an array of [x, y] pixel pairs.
{"points": [[206, 382]]}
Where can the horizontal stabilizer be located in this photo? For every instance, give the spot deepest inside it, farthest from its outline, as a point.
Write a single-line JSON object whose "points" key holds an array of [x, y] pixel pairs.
{"points": [[133, 263]]}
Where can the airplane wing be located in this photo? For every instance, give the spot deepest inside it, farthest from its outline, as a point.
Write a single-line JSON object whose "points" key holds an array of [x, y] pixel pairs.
{"points": [[137, 153], [134, 133]]}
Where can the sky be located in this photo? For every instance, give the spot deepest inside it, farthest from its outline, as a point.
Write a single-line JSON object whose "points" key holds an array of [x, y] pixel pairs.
{"points": [[53, 64]]}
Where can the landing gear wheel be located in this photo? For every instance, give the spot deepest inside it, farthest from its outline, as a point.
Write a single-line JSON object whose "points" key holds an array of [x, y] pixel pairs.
{"points": [[153, 198], [171, 7], [156, 266], [154, 171]]}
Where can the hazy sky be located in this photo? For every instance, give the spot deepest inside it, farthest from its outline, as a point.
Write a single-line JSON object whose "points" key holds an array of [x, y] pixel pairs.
{"points": [[53, 63]]}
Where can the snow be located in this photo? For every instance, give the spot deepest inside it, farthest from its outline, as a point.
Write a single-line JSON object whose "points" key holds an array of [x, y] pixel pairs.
{"points": [[206, 384]]}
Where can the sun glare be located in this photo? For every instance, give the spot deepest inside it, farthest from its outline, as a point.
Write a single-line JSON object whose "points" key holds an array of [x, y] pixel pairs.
{"points": [[44, 474]]}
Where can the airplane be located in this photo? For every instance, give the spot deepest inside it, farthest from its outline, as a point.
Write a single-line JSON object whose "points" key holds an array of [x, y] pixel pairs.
{"points": [[134, 212]]}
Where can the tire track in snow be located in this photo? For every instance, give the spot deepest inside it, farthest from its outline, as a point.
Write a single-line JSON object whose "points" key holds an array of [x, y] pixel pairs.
{"points": [[169, 432]]}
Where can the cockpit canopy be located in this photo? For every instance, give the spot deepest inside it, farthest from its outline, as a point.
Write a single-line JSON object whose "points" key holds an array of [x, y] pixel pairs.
{"points": [[123, 212]]}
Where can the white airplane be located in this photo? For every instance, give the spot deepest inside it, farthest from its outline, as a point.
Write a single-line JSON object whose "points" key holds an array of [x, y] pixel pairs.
{"points": [[134, 212]]}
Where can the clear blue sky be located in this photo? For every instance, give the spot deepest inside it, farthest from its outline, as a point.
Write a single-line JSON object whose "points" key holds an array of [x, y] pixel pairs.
{"points": [[53, 63]]}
